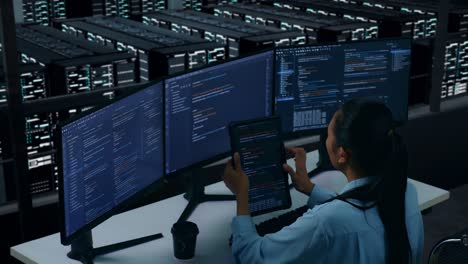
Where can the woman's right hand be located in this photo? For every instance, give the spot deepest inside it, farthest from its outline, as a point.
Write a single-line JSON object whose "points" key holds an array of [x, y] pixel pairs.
{"points": [[299, 178]]}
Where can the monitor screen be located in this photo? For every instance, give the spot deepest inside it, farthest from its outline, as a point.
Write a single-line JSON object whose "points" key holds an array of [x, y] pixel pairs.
{"points": [[201, 104], [110, 155], [312, 82]]}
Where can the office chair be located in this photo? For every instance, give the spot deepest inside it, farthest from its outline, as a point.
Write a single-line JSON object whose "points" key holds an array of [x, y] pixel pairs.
{"points": [[451, 250]]}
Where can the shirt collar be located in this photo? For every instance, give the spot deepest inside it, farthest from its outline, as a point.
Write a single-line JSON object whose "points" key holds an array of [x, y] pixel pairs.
{"points": [[356, 183]]}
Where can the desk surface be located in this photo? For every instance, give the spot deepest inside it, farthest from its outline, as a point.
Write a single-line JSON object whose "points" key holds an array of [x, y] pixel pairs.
{"points": [[213, 220]]}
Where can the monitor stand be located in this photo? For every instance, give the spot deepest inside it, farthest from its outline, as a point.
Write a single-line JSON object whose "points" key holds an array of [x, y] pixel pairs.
{"points": [[196, 195], [83, 251]]}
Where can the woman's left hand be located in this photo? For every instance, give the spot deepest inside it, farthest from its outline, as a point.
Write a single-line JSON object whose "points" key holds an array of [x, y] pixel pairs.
{"points": [[235, 178]]}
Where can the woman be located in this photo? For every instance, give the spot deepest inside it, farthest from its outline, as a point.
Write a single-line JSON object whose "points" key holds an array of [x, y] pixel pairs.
{"points": [[374, 219]]}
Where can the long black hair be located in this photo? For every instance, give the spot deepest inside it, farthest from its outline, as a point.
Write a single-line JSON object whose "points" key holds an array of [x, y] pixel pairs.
{"points": [[366, 130]]}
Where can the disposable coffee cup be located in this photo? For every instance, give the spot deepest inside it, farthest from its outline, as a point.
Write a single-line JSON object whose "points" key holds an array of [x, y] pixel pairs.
{"points": [[184, 238]]}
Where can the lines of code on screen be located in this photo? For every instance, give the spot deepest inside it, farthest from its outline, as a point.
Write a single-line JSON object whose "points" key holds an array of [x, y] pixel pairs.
{"points": [[259, 149], [111, 154], [313, 82], [200, 105]]}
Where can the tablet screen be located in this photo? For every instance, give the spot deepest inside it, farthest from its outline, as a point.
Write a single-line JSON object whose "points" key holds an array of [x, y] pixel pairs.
{"points": [[262, 156]]}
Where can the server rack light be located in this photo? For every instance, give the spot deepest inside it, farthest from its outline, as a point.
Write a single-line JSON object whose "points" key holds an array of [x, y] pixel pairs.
{"points": [[331, 29], [36, 11], [126, 8], [193, 5], [197, 5], [458, 15], [236, 35], [58, 9], [392, 23], [153, 5], [117, 7], [426, 28], [43, 11], [249, 14], [159, 51], [455, 79], [3, 94]]}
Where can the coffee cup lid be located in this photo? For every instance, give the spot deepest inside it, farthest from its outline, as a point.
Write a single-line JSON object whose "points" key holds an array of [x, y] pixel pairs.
{"points": [[185, 227]]}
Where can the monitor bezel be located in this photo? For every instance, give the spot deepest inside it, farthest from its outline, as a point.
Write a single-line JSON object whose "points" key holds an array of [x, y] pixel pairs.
{"points": [[317, 131], [151, 188], [226, 154]]}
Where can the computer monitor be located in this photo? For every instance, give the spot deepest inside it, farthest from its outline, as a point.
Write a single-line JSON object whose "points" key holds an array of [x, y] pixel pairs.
{"points": [[312, 82], [201, 104], [199, 107], [108, 157]]}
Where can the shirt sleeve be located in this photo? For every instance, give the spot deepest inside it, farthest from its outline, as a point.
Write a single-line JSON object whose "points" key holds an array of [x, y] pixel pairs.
{"points": [[297, 243], [319, 195]]}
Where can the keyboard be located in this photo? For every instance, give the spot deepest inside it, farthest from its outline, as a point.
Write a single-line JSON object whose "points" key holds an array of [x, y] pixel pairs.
{"points": [[275, 224]]}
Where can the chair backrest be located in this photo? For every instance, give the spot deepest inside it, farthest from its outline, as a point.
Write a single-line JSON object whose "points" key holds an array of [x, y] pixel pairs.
{"points": [[451, 250]]}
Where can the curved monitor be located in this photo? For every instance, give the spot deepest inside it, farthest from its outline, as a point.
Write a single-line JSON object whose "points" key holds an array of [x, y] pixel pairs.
{"points": [[109, 156], [312, 82], [201, 104]]}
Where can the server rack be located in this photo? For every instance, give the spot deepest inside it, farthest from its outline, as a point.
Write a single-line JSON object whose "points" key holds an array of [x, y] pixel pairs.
{"points": [[5, 153], [427, 28], [197, 5], [114, 7], [42, 11], [126, 8], [329, 29], [249, 14], [391, 23], [458, 20], [153, 5], [33, 85], [455, 78], [80, 65], [238, 36], [421, 67], [33, 81], [159, 52], [458, 15], [36, 11], [76, 66]]}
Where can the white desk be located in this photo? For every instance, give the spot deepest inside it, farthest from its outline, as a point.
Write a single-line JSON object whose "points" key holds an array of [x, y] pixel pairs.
{"points": [[213, 220]]}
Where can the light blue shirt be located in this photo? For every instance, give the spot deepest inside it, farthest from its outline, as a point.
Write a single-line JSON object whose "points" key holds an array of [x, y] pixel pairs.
{"points": [[334, 232]]}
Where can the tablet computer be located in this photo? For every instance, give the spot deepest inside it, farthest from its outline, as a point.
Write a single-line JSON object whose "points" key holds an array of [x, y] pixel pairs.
{"points": [[262, 155]]}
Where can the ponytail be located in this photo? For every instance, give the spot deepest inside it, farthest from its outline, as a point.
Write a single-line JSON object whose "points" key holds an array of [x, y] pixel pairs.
{"points": [[391, 201], [377, 151]]}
